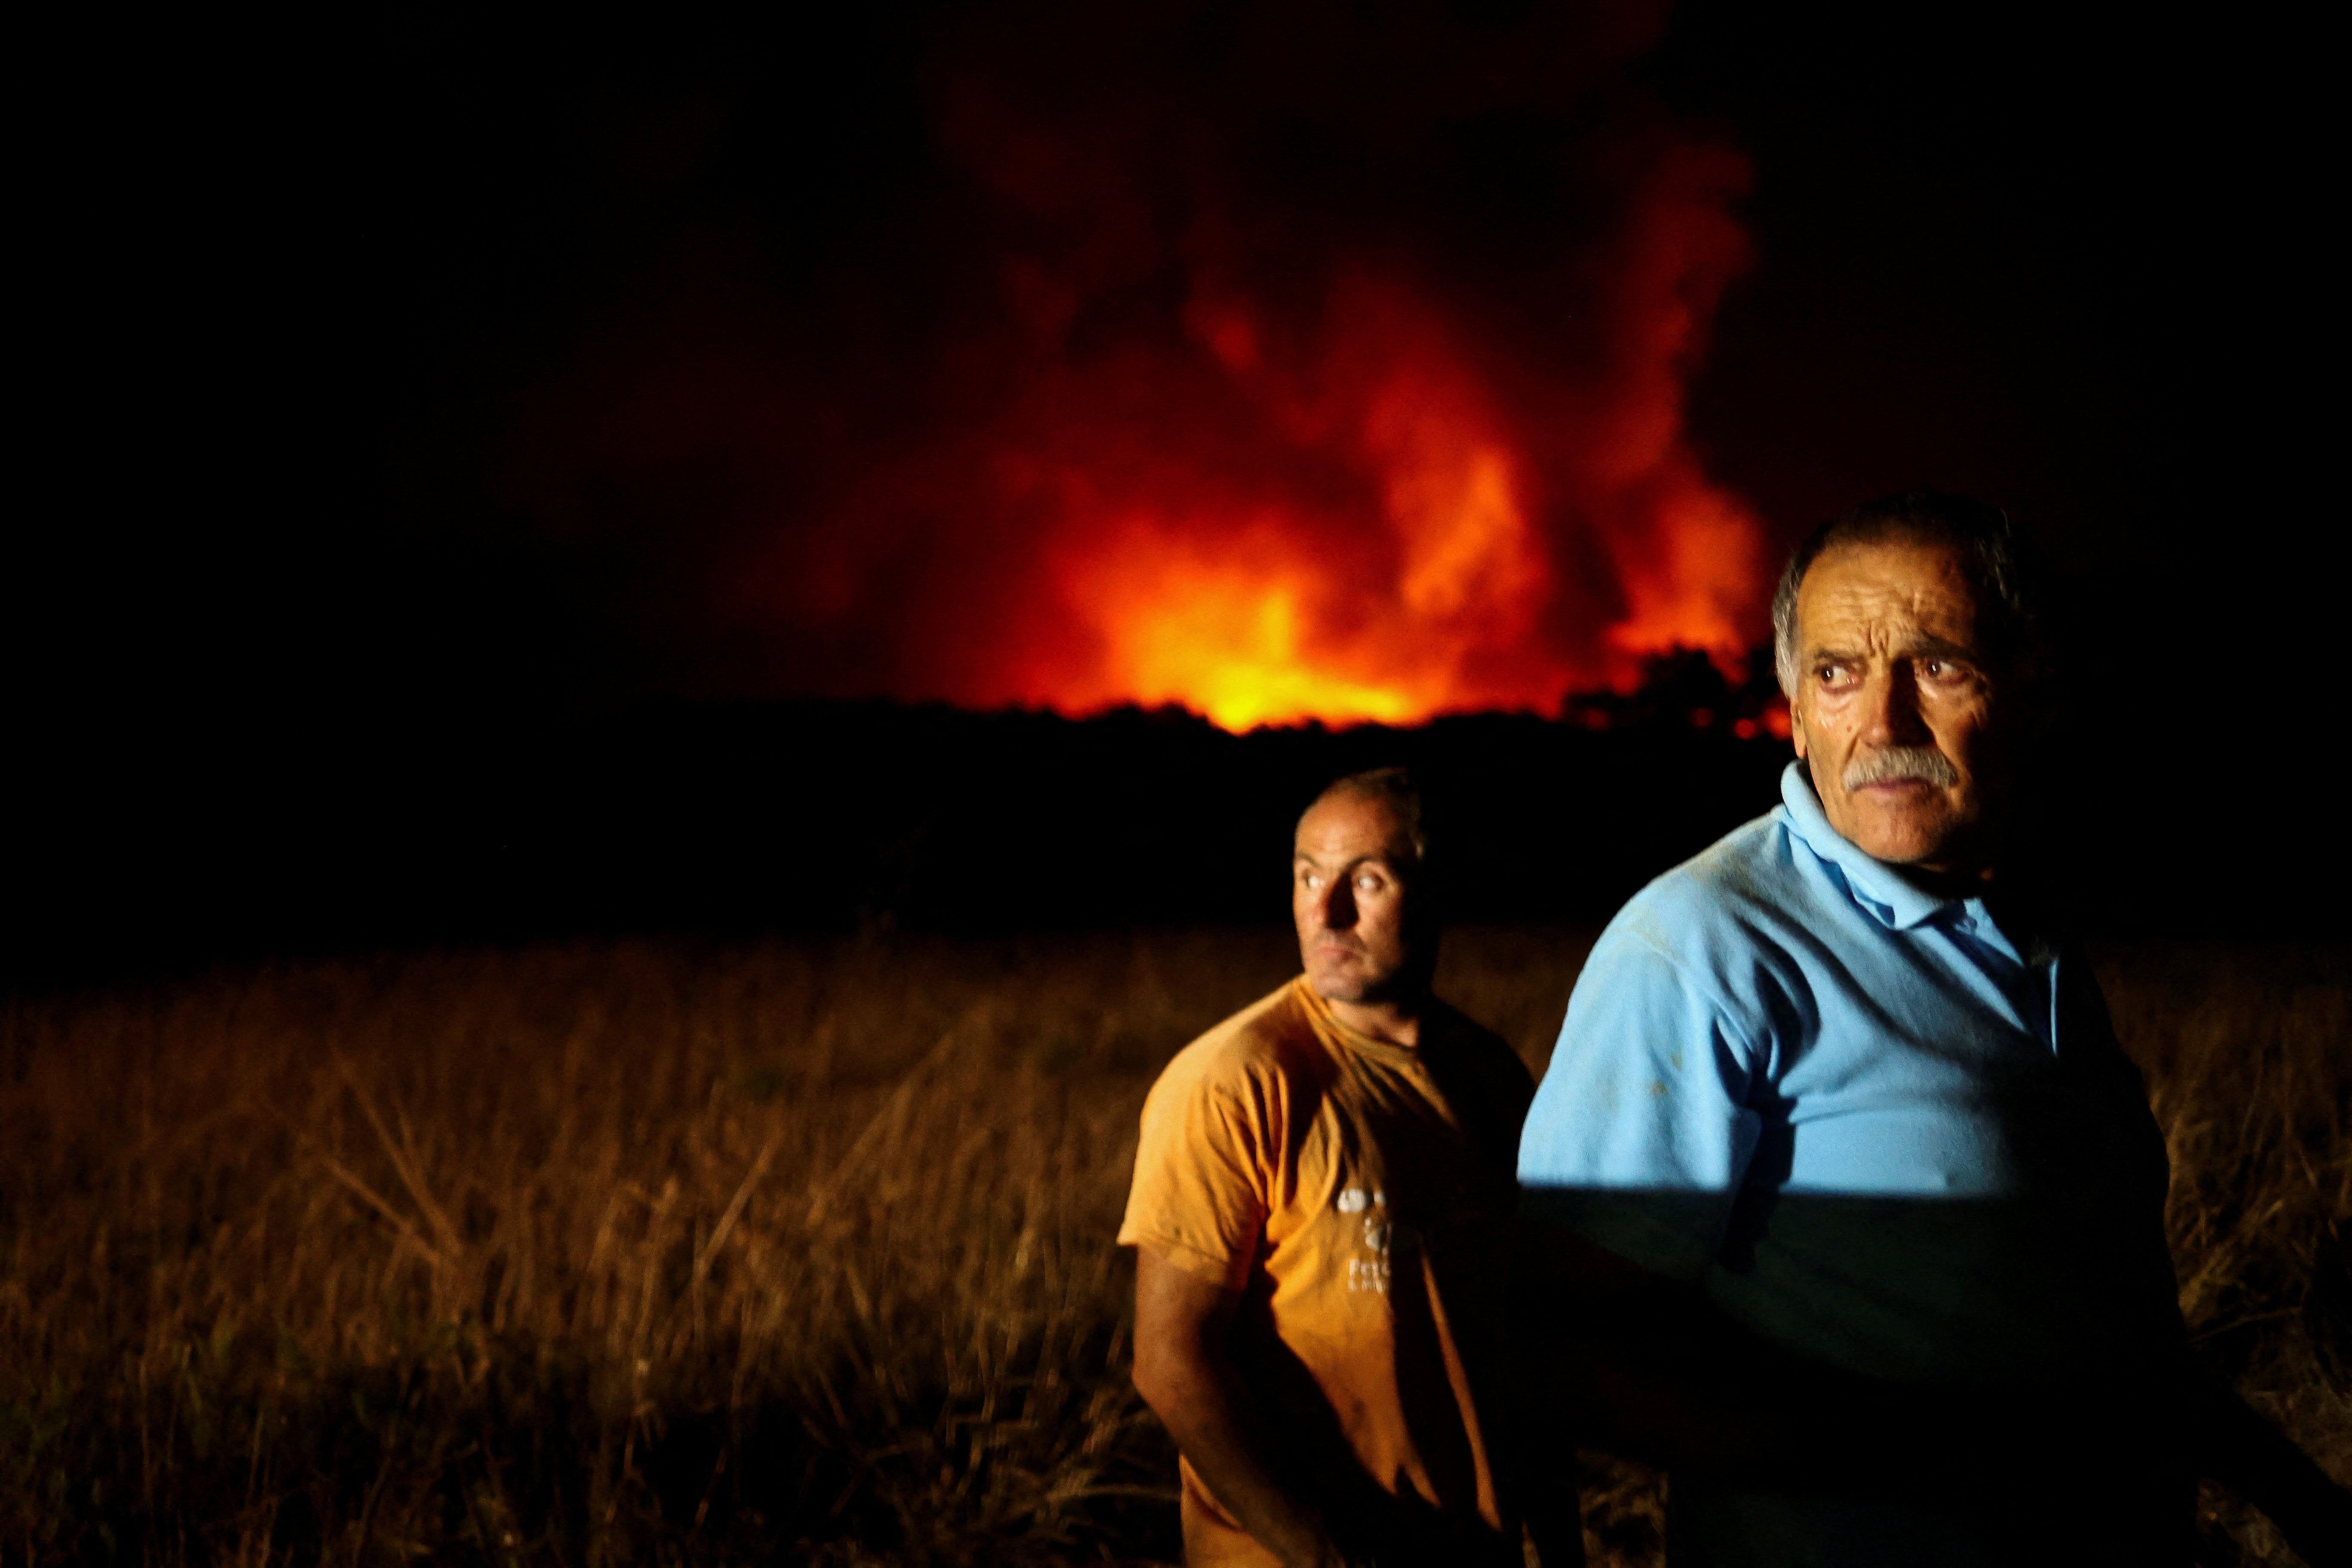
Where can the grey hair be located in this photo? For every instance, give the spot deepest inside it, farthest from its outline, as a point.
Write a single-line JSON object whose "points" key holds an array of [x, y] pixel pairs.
{"points": [[2008, 594], [1393, 787]]}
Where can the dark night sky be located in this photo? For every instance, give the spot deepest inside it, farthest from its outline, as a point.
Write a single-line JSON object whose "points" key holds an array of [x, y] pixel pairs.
{"points": [[300, 297], [2073, 265], [305, 291]]}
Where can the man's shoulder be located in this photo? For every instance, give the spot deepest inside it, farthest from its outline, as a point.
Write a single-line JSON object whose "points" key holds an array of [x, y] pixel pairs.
{"points": [[1719, 926], [1270, 1038], [1745, 884], [1471, 1041], [1466, 1031]]}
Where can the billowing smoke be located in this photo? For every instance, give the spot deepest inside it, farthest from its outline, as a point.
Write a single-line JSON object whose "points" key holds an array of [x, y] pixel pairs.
{"points": [[1283, 361]]}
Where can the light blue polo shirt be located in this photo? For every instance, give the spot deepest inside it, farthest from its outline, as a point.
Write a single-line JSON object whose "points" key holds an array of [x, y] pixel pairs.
{"points": [[1876, 1128], [1784, 1043]]}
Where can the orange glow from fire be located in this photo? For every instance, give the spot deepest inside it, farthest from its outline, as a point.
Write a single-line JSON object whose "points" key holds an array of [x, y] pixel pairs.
{"points": [[1192, 421], [1254, 604], [1228, 645], [1271, 613], [1255, 634]]}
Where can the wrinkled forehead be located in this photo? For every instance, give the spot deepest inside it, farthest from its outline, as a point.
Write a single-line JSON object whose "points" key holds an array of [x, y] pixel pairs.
{"points": [[1884, 588], [1345, 825]]}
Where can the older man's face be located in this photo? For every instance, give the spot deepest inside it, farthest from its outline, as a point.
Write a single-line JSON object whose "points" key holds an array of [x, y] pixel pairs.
{"points": [[1894, 702], [1351, 897]]}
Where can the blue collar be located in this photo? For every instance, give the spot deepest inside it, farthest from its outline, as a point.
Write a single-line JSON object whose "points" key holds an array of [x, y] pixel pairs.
{"points": [[1892, 898]]}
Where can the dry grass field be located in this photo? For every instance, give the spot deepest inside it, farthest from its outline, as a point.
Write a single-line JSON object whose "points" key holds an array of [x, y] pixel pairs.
{"points": [[799, 1251]]}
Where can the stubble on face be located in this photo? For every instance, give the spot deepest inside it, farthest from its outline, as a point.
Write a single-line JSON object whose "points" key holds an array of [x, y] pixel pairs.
{"points": [[1894, 702]]}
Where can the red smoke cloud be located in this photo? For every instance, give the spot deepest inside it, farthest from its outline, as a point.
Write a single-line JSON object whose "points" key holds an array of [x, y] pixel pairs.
{"points": [[1281, 363]]}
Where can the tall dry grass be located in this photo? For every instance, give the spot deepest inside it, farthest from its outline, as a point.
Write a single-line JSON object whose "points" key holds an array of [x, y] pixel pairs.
{"points": [[2248, 1055], [794, 1251]]}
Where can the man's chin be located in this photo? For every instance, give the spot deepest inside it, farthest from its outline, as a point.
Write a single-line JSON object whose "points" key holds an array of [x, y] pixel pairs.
{"points": [[1349, 986], [1906, 838]]}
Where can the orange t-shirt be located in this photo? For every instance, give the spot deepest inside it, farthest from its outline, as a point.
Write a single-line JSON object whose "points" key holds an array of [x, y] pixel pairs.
{"points": [[1360, 1195]]}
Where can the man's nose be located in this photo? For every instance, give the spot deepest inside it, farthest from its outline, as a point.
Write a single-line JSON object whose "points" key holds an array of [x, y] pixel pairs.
{"points": [[1891, 714], [1339, 905]]}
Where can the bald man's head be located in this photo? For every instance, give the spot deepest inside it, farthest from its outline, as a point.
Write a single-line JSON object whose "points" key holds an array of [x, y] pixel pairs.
{"points": [[1367, 926]]}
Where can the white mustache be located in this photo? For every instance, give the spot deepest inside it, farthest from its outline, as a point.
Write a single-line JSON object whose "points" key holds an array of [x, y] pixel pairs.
{"points": [[1901, 765]]}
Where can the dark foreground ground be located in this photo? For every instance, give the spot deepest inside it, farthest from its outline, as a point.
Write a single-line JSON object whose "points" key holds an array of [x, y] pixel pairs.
{"points": [[801, 1249]]}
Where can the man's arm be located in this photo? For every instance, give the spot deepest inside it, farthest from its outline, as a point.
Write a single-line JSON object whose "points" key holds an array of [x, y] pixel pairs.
{"points": [[1658, 1375], [1662, 1376], [1184, 1373]]}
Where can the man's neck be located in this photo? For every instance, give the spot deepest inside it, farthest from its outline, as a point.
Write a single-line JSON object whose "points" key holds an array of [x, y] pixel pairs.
{"points": [[1947, 879], [1395, 1021]]}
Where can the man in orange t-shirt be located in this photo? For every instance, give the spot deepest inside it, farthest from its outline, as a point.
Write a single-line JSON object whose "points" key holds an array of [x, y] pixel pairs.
{"points": [[1321, 1216]]}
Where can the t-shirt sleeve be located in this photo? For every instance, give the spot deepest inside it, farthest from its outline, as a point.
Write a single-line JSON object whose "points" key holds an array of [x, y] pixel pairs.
{"points": [[1201, 1175], [1640, 1134]]}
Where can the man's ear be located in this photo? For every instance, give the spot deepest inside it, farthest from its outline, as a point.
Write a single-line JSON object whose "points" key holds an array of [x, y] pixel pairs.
{"points": [[1796, 730]]}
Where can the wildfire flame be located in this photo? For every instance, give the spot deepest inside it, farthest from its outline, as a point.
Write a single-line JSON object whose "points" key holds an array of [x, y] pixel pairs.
{"points": [[1428, 589], [1254, 606], [1194, 438]]}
